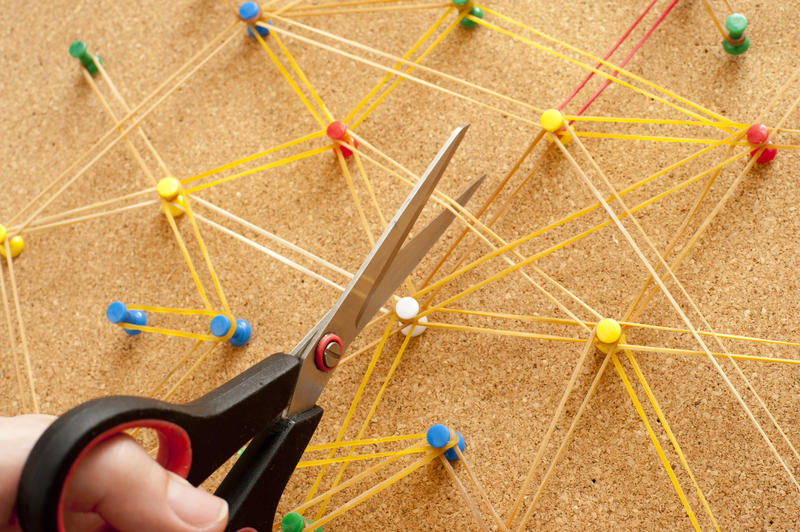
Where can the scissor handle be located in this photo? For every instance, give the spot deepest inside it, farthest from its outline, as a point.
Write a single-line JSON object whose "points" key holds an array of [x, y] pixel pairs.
{"points": [[195, 439]]}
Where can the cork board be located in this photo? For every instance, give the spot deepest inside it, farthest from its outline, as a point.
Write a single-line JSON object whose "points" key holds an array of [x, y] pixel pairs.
{"points": [[499, 391]]}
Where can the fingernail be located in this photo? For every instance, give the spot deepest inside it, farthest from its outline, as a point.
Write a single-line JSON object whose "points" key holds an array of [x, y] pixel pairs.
{"points": [[195, 506]]}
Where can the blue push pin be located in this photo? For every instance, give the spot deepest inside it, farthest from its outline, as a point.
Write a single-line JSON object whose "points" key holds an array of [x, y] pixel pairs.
{"points": [[118, 313], [251, 12], [438, 436], [221, 325]]}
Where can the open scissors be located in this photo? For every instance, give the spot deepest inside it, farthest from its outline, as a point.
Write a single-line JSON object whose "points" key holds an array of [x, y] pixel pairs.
{"points": [[272, 404]]}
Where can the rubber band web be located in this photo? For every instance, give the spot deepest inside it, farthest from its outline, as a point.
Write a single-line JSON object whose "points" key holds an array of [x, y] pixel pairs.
{"points": [[338, 475]]}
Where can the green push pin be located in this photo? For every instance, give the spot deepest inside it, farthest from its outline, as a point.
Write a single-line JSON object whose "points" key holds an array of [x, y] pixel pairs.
{"points": [[475, 11], [294, 522], [78, 50], [736, 24]]}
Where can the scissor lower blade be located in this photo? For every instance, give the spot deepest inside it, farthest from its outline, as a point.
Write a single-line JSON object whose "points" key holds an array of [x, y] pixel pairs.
{"points": [[254, 486]]}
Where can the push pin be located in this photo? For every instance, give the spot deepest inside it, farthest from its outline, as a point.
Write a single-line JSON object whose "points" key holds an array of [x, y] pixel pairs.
{"points": [[608, 333], [338, 131], [294, 522], [15, 243], [169, 189], [553, 122], [471, 9], [737, 42], [221, 326], [250, 12], [78, 50], [438, 436], [758, 135], [118, 313], [407, 310]]}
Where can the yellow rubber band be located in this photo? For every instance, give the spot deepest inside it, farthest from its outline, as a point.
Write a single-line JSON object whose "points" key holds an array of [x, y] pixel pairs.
{"points": [[182, 245], [168, 332], [274, 164], [290, 80], [244, 160], [347, 459], [166, 310], [664, 461]]}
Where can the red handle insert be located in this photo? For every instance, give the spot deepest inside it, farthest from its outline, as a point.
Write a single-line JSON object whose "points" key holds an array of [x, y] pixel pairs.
{"points": [[174, 451]]}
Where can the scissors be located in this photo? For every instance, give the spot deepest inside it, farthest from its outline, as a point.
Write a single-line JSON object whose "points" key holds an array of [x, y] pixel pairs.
{"points": [[272, 404]]}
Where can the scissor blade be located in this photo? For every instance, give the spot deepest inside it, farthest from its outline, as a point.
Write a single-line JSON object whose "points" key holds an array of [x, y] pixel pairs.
{"points": [[353, 308], [407, 258], [368, 289]]}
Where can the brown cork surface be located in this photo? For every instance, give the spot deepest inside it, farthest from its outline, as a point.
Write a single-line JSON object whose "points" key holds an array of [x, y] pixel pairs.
{"points": [[500, 392]]}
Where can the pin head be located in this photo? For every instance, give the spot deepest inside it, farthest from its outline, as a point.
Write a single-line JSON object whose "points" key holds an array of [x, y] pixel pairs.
{"points": [[407, 308], [117, 312], [249, 11], [169, 188], [77, 49], [736, 23], [757, 134], [337, 130], [552, 120], [609, 331], [220, 325], [437, 435]]}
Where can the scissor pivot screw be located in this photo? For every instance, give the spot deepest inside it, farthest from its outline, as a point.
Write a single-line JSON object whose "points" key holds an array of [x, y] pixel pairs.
{"points": [[329, 352]]}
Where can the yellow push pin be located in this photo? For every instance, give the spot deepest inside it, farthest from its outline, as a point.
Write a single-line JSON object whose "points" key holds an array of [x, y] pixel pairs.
{"points": [[608, 332], [169, 189], [553, 122], [16, 243]]}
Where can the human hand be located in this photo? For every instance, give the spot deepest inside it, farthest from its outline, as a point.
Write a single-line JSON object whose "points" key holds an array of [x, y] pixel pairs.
{"points": [[117, 486]]}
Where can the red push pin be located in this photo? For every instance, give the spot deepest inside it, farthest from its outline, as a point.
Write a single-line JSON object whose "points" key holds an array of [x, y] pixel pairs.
{"points": [[758, 135], [338, 131]]}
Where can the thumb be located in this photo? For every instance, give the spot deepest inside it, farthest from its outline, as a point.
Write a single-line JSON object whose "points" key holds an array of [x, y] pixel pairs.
{"points": [[121, 482]]}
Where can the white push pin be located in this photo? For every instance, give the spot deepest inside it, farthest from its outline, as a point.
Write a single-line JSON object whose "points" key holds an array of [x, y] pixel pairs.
{"points": [[407, 309]]}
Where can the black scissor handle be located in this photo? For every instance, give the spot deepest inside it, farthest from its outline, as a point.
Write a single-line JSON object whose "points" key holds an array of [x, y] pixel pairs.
{"points": [[194, 439]]}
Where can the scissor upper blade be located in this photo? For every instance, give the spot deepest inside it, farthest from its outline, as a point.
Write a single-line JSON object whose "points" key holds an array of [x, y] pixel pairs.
{"points": [[407, 258], [360, 300]]}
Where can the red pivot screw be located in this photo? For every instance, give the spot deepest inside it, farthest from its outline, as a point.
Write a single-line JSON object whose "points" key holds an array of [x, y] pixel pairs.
{"points": [[329, 352]]}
